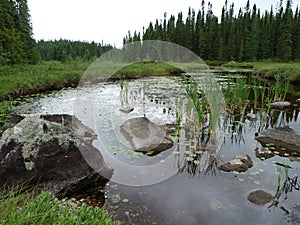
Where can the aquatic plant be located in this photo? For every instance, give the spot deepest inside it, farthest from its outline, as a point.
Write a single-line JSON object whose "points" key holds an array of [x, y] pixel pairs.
{"points": [[236, 94], [281, 87], [197, 105], [178, 114], [270, 99], [197, 99], [124, 88], [214, 112], [256, 92], [289, 184]]}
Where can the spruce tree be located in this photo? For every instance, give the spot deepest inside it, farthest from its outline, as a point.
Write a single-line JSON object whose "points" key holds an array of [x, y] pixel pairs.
{"points": [[296, 35], [284, 41]]}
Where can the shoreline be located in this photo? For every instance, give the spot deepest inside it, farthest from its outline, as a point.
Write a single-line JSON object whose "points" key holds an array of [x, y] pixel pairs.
{"points": [[25, 80]]}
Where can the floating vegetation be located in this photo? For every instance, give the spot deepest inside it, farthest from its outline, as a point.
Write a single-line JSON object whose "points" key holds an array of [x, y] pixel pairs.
{"points": [[125, 200], [257, 182]]}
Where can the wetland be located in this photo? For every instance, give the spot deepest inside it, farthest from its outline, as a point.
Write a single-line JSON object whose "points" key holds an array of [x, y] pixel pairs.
{"points": [[185, 183]]}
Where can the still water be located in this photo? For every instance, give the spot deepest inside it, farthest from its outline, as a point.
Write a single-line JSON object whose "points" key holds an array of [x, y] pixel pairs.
{"points": [[183, 184]]}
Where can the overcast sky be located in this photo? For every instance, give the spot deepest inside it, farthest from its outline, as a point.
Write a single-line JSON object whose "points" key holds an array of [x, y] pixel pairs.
{"points": [[109, 21]]}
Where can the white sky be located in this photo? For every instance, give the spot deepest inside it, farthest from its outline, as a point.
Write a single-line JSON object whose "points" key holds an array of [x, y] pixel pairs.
{"points": [[97, 20]]}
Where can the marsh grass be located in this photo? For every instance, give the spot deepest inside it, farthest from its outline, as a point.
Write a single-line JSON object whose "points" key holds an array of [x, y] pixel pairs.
{"points": [[198, 100], [180, 109], [141, 69], [21, 206], [281, 87], [271, 69], [18, 80], [262, 98], [256, 92], [236, 94], [124, 90]]}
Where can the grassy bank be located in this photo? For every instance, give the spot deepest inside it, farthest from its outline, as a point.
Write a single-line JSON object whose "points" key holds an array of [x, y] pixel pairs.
{"points": [[272, 69], [27, 79], [18, 80], [23, 207], [21, 80]]}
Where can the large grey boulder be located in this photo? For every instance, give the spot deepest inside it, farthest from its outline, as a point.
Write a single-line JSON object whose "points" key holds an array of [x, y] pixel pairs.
{"points": [[240, 163], [53, 151], [282, 138], [142, 135]]}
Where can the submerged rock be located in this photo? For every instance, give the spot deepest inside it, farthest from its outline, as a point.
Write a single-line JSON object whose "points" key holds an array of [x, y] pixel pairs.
{"points": [[170, 128], [142, 135], [51, 151], [260, 197], [126, 109], [263, 153], [280, 105], [240, 163], [281, 138]]}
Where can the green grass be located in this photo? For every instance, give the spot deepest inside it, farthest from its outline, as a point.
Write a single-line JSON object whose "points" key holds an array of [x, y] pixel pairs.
{"points": [[22, 207], [242, 65], [137, 70], [271, 69], [290, 69], [6, 108], [104, 70], [18, 80]]}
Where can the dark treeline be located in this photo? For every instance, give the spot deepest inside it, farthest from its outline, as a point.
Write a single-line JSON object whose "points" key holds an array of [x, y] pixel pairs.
{"points": [[17, 45], [249, 35], [65, 50], [16, 42]]}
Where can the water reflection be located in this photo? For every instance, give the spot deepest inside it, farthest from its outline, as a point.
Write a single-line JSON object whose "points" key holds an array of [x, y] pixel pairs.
{"points": [[198, 192]]}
